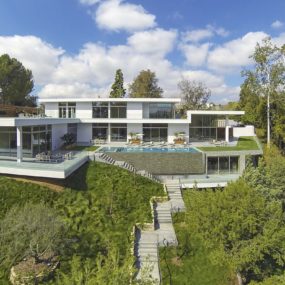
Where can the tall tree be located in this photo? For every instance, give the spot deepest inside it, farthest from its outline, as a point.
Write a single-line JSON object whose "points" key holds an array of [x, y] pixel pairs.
{"points": [[16, 82], [145, 86], [118, 90], [263, 89], [195, 94]]}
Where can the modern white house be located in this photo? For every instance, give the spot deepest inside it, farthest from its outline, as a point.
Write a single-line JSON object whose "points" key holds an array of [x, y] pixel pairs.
{"points": [[112, 120], [156, 119]]}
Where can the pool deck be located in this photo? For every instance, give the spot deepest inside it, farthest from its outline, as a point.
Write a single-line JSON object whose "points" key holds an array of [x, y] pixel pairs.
{"points": [[33, 168]]}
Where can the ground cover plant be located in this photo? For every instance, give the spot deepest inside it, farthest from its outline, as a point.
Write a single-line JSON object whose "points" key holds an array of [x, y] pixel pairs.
{"points": [[244, 143], [99, 207], [239, 229]]}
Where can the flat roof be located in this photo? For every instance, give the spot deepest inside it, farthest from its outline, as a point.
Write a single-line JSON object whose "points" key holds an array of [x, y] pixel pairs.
{"points": [[158, 100], [18, 122], [213, 112]]}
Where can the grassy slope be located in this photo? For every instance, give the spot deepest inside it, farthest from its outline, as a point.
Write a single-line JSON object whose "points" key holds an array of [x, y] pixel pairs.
{"points": [[100, 207], [244, 143], [190, 263]]}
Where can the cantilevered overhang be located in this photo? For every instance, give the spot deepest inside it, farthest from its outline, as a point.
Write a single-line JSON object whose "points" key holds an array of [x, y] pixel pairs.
{"points": [[136, 121], [94, 99], [212, 112], [23, 122]]}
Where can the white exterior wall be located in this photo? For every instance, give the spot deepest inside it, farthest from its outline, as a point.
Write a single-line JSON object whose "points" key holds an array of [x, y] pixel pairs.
{"points": [[57, 132], [247, 131], [51, 110], [134, 110], [134, 128], [84, 133], [84, 110], [173, 128]]}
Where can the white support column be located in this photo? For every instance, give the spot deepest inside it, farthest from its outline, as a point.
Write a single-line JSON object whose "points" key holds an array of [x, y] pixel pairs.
{"points": [[227, 135], [19, 144], [109, 133]]}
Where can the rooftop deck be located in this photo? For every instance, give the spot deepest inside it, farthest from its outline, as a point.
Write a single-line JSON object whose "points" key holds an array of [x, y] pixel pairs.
{"points": [[33, 168]]}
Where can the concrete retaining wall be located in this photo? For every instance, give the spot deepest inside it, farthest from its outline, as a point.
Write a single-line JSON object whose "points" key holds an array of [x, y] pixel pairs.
{"points": [[164, 163]]}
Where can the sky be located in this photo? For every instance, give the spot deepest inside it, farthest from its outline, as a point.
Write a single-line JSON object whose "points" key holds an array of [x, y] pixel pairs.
{"points": [[74, 47]]}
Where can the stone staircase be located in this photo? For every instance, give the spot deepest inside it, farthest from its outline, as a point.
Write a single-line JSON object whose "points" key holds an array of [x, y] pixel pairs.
{"points": [[174, 193], [147, 257], [163, 224], [162, 235]]}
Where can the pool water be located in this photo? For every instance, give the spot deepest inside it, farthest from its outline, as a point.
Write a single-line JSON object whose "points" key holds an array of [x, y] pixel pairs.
{"points": [[149, 149]]}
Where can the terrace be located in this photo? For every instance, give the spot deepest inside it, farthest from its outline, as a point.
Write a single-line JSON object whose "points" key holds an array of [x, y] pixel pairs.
{"points": [[53, 169]]}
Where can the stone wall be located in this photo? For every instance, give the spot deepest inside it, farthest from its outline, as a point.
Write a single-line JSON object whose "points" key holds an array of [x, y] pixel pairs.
{"points": [[164, 163]]}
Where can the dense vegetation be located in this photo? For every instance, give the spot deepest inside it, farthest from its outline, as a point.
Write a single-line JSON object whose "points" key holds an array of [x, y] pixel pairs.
{"points": [[99, 207], [16, 83], [239, 229], [266, 78]]}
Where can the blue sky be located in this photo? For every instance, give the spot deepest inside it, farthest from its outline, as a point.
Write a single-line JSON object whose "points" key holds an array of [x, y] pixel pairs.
{"points": [[74, 47]]}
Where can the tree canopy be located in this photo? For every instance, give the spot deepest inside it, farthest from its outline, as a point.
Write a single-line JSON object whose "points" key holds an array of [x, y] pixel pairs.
{"points": [[195, 94], [145, 86], [16, 82], [266, 78], [29, 231], [118, 90]]}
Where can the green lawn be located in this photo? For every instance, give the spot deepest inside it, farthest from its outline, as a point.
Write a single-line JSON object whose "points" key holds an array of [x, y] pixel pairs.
{"points": [[244, 143], [100, 205]]}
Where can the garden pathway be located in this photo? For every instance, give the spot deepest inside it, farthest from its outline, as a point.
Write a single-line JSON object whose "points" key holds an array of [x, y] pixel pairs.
{"points": [[162, 235]]}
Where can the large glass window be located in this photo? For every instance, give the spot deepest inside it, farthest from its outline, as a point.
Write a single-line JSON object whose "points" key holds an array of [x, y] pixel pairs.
{"points": [[155, 132], [100, 109], [119, 132], [67, 110], [205, 127], [100, 131], [161, 111], [118, 109], [35, 140], [223, 165]]}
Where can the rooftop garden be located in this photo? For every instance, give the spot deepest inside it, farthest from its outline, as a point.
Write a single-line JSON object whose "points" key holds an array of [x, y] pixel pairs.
{"points": [[99, 206], [244, 143]]}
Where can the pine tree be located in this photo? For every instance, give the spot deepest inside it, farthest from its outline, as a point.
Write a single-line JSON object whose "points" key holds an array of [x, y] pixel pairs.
{"points": [[145, 86], [118, 90]]}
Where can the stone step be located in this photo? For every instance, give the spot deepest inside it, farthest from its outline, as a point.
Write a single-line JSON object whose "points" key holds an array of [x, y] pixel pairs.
{"points": [[144, 252]]}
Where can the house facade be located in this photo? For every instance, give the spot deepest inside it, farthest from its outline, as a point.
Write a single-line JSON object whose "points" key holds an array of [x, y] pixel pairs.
{"points": [[156, 119], [113, 120]]}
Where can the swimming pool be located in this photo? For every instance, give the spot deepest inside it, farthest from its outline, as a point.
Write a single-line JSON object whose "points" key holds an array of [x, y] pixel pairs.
{"points": [[150, 149]]}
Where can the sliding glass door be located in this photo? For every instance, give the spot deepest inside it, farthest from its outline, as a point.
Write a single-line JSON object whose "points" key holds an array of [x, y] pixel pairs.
{"points": [[155, 132]]}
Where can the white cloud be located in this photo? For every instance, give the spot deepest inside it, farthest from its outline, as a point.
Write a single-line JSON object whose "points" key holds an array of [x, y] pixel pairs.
{"points": [[75, 90], [221, 92], [277, 24], [233, 55], [198, 35], [35, 54], [203, 34], [195, 54], [155, 41], [118, 15], [89, 2]]}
